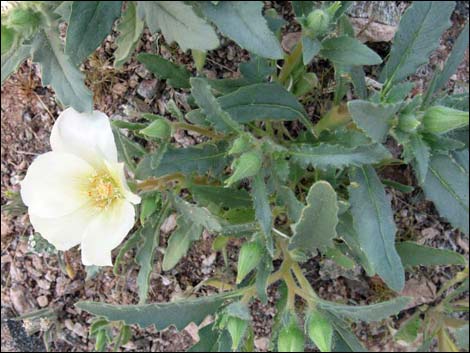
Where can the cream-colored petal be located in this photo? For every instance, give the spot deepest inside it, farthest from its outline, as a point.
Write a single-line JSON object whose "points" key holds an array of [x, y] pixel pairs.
{"points": [[87, 135], [64, 232], [53, 185], [116, 170], [105, 232]]}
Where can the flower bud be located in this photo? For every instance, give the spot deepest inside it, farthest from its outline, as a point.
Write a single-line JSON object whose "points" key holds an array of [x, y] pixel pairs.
{"points": [[237, 328], [246, 166], [249, 257], [440, 119], [159, 128], [291, 338], [8, 38], [320, 331], [24, 20], [240, 145], [318, 21], [408, 122]]}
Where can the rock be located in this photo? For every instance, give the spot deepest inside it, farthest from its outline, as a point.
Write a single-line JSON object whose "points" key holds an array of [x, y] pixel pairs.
{"points": [[421, 290], [262, 344], [374, 21], [42, 301], [119, 89], [43, 284], [79, 330], [193, 331], [19, 297], [148, 89], [290, 40], [169, 224]]}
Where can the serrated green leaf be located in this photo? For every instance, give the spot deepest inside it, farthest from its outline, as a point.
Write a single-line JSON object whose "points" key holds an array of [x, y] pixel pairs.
{"points": [[196, 159], [179, 23], [197, 215], [348, 51], [150, 235], [316, 226], [290, 201], [413, 254], [263, 213], [264, 269], [375, 226], [336, 156], [89, 24], [447, 186], [374, 119], [179, 242], [58, 71], [130, 28], [367, 313], [13, 59], [220, 119], [176, 75], [420, 29], [243, 22], [161, 315]]}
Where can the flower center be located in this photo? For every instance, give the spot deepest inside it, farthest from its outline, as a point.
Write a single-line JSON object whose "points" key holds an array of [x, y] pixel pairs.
{"points": [[103, 190]]}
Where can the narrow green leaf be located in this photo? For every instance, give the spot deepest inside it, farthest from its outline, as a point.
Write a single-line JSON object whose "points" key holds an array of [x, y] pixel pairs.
{"points": [[130, 28], [418, 35], [161, 315], [179, 242], [221, 196], [316, 227], [367, 313], [348, 51], [208, 340], [89, 24], [264, 269], [290, 201], [179, 23], [336, 156], [374, 119], [263, 213], [373, 221], [419, 150], [243, 22], [262, 101], [58, 71], [447, 186], [247, 165], [310, 48], [127, 149], [176, 75], [413, 254], [220, 119], [409, 331]]}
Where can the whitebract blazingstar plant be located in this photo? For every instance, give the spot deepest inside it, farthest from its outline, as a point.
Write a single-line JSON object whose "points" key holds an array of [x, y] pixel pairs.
{"points": [[77, 193]]}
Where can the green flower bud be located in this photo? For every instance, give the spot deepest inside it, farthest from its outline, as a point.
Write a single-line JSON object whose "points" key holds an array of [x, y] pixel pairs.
{"points": [[249, 257], [320, 331], [237, 328], [291, 338], [408, 122], [9, 36], [24, 20], [240, 145], [318, 21], [246, 166], [305, 84], [159, 128], [440, 119]]}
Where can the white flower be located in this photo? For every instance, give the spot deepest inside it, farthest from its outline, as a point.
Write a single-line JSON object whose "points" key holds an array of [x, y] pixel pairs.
{"points": [[77, 193]]}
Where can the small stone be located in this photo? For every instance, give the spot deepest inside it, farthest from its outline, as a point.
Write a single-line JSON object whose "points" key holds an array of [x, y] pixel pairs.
{"points": [[141, 71], [119, 89], [169, 224], [19, 299], [43, 301], [147, 89], [79, 330], [262, 344], [43, 284], [193, 331]]}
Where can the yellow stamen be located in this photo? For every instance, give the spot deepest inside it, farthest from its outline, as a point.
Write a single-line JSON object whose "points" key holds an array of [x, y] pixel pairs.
{"points": [[103, 190]]}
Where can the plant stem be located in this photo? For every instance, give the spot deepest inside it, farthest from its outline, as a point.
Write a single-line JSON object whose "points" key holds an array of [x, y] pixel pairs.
{"points": [[199, 130]]}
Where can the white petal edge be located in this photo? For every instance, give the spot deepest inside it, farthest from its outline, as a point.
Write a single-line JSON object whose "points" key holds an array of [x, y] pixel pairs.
{"points": [[105, 232], [86, 135], [54, 184], [64, 232]]}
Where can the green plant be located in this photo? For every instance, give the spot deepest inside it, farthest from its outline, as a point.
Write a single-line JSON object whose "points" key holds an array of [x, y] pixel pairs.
{"points": [[289, 196]]}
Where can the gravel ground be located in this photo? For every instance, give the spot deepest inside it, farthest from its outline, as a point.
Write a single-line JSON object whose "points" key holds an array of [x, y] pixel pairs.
{"points": [[33, 280]]}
